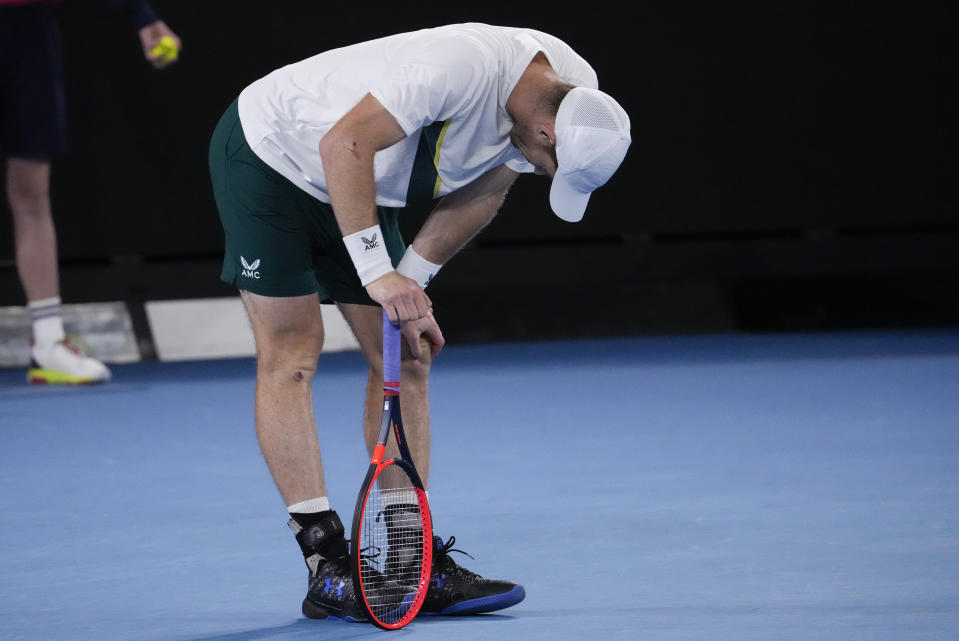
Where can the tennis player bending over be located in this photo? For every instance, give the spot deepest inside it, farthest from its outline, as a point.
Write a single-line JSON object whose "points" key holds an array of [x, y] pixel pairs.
{"points": [[311, 166]]}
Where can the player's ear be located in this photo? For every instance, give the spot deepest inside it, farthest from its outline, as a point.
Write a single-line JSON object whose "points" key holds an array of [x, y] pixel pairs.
{"points": [[546, 134]]}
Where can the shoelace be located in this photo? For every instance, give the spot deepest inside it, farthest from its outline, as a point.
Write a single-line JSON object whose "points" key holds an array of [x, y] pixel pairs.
{"points": [[372, 563], [366, 555], [445, 549], [70, 345]]}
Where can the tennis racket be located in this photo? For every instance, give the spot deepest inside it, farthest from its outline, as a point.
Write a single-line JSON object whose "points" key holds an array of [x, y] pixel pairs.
{"points": [[392, 540]]}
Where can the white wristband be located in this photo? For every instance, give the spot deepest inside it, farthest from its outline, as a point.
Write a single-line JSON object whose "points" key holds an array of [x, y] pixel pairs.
{"points": [[414, 266], [368, 251]]}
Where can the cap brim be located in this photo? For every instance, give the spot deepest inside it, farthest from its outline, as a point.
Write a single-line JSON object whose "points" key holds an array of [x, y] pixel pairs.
{"points": [[567, 202]]}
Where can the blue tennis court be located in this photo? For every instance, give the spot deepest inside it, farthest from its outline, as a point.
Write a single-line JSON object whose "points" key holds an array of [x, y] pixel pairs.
{"points": [[664, 488]]}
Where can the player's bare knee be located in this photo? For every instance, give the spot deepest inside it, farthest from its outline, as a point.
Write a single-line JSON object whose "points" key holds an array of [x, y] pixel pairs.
{"points": [[293, 363], [289, 350]]}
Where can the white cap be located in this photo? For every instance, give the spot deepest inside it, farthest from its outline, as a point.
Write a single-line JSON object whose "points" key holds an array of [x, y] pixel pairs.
{"points": [[592, 136]]}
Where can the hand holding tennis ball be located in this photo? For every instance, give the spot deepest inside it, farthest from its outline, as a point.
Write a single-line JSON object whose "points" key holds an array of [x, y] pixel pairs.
{"points": [[166, 50], [160, 45]]}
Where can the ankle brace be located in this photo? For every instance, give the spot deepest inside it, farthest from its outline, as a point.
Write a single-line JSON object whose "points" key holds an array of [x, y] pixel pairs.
{"points": [[320, 537]]}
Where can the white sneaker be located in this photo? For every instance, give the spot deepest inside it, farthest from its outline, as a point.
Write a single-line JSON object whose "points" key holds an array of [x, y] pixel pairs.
{"points": [[63, 363]]}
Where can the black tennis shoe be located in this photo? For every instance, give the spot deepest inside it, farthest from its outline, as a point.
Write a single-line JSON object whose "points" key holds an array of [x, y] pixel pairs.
{"points": [[330, 591], [456, 590]]}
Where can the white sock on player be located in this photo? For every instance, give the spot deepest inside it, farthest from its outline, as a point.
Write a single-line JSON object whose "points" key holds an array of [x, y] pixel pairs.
{"points": [[310, 506]]}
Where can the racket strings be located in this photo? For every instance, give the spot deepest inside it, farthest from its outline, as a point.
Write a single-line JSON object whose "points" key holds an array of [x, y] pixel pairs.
{"points": [[391, 549]]}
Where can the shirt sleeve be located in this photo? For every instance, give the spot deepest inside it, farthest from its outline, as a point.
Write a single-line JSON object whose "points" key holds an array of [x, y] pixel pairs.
{"points": [[430, 82], [570, 66], [140, 13], [520, 166]]}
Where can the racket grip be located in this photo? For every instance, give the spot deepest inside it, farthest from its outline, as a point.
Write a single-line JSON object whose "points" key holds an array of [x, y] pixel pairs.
{"points": [[391, 351]]}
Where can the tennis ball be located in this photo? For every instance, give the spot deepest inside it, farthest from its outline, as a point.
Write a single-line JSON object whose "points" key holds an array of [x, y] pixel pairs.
{"points": [[167, 49]]}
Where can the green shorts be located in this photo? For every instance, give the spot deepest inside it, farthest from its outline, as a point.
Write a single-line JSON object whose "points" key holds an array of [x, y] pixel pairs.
{"points": [[281, 241]]}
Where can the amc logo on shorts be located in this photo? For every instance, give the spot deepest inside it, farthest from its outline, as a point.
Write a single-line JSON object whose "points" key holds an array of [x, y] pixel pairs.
{"points": [[249, 269]]}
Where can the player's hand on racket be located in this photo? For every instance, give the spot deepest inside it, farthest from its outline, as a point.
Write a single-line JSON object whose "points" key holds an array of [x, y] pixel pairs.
{"points": [[401, 297], [424, 338]]}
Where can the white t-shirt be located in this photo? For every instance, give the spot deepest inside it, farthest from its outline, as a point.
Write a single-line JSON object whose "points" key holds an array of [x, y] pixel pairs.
{"points": [[457, 75]]}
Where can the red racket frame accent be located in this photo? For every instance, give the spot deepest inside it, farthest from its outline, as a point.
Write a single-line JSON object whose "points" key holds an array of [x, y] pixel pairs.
{"points": [[392, 421], [425, 568]]}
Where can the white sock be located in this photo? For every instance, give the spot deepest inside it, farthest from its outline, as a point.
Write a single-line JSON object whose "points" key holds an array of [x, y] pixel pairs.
{"points": [[45, 314], [394, 498], [310, 506]]}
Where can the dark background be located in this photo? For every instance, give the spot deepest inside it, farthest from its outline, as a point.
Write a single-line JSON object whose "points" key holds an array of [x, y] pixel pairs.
{"points": [[793, 167]]}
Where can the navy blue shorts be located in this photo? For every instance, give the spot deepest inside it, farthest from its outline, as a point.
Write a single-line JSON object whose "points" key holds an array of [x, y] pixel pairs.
{"points": [[32, 115]]}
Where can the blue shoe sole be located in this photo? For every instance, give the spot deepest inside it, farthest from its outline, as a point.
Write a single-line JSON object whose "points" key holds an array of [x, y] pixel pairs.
{"points": [[314, 611], [483, 604]]}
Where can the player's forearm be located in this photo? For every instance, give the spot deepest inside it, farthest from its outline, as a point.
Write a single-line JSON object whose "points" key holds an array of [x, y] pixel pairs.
{"points": [[351, 186], [448, 229], [461, 215]]}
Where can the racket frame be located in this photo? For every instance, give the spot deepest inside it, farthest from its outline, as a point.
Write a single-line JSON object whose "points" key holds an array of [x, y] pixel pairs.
{"points": [[392, 421]]}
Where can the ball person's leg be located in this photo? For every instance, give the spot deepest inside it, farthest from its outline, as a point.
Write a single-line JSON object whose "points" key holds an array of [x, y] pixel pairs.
{"points": [[28, 192]]}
